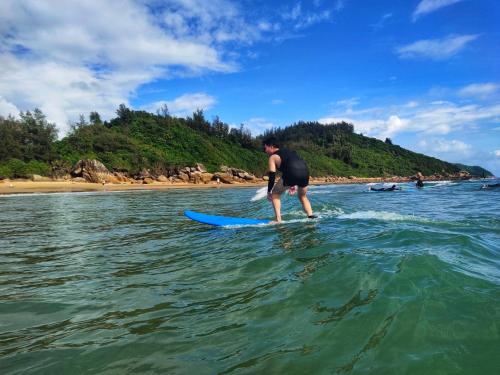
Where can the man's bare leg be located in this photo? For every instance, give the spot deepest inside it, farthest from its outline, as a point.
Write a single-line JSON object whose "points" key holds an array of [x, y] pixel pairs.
{"points": [[306, 205], [276, 199]]}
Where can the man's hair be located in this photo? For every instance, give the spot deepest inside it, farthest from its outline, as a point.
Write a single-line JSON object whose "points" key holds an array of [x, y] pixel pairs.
{"points": [[271, 141]]}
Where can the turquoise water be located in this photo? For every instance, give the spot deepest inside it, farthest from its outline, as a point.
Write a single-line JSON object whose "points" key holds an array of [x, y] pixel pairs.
{"points": [[404, 282]]}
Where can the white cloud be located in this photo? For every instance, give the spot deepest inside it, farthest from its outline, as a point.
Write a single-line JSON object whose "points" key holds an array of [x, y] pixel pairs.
{"points": [[382, 21], [185, 105], [8, 109], [259, 125], [68, 58], [497, 153], [82, 57], [435, 118], [435, 49], [301, 18], [480, 90], [443, 146], [428, 6], [348, 103]]}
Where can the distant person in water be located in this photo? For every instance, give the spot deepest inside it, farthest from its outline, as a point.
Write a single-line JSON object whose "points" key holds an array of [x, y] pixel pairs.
{"points": [[294, 173], [392, 188], [420, 180], [491, 186]]}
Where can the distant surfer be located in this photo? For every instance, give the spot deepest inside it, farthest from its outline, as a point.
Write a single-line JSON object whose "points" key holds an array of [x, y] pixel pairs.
{"points": [[420, 180], [294, 173], [392, 188], [491, 186]]}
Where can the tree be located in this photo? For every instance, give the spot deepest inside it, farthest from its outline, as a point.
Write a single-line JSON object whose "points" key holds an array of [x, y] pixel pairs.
{"points": [[95, 118], [163, 111], [388, 141], [12, 135], [40, 136], [124, 113], [220, 129]]}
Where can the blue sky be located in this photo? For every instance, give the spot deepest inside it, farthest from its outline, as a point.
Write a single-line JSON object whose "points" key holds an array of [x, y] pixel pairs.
{"points": [[424, 73]]}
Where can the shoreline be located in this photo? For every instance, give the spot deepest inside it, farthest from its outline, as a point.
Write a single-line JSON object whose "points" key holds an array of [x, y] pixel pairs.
{"points": [[67, 186]]}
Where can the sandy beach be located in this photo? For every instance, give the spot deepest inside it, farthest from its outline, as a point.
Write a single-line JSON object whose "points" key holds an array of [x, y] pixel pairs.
{"points": [[59, 186], [24, 187]]}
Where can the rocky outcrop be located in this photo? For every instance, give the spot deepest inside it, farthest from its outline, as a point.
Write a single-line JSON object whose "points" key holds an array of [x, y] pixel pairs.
{"points": [[93, 171], [235, 175]]}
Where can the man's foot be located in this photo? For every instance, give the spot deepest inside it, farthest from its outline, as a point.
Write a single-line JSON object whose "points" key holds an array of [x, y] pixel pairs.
{"points": [[312, 217]]}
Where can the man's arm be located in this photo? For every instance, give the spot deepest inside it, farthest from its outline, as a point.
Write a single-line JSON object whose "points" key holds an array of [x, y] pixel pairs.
{"points": [[272, 172]]}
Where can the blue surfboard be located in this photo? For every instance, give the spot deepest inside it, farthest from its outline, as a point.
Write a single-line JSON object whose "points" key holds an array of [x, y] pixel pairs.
{"points": [[222, 221]]}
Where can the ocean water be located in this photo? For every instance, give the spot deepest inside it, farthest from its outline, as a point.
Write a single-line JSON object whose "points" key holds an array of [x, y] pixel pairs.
{"points": [[404, 282]]}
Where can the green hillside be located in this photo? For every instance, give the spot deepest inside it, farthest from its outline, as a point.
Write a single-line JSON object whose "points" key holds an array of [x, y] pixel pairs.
{"points": [[475, 170], [135, 140]]}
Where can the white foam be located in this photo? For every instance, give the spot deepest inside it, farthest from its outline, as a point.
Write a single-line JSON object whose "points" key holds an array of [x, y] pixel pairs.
{"points": [[381, 215], [260, 194]]}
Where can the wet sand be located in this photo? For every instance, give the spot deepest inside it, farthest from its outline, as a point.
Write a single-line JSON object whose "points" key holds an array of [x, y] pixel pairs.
{"points": [[62, 186], [24, 186]]}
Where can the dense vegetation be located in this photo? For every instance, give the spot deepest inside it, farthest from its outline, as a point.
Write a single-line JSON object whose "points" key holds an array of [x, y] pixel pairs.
{"points": [[135, 140], [475, 170]]}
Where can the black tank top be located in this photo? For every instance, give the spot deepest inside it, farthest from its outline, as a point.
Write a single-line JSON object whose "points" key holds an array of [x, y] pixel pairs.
{"points": [[292, 166]]}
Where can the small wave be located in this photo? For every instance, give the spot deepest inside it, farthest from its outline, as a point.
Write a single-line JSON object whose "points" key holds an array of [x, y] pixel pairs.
{"points": [[436, 184], [382, 215]]}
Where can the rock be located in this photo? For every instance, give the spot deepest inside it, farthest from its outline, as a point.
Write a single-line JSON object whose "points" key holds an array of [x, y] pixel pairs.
{"points": [[223, 168], [60, 168], [93, 171], [464, 175], [206, 177], [195, 177], [148, 180], [183, 177], [265, 178], [200, 167], [162, 178], [225, 178], [249, 177], [144, 173], [120, 177], [78, 179]]}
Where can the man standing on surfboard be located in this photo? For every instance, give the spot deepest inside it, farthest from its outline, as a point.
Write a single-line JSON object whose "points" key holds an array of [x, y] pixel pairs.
{"points": [[294, 173]]}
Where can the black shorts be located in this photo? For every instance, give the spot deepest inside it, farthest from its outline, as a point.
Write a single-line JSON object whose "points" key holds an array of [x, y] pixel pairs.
{"points": [[296, 175]]}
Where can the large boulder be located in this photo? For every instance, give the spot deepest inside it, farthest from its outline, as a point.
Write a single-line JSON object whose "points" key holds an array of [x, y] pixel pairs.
{"points": [[195, 177], [200, 168], [225, 178], [183, 176], [207, 177], [144, 173], [93, 171], [121, 177]]}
